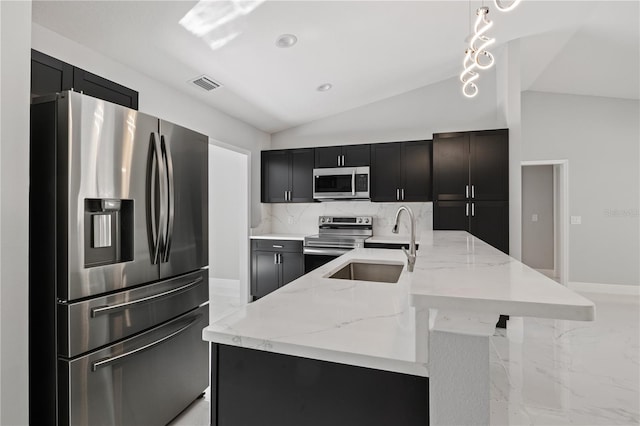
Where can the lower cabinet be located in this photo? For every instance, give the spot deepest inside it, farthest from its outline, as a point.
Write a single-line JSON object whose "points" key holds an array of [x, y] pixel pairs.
{"points": [[256, 388], [487, 220], [274, 263]]}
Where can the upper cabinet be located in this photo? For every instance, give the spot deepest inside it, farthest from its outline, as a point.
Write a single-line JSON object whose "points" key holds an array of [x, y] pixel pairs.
{"points": [[342, 156], [471, 165], [287, 176], [50, 75], [401, 171]]}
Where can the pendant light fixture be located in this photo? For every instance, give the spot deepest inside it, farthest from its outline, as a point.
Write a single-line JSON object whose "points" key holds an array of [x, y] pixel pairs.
{"points": [[506, 6], [477, 57], [468, 76], [479, 42]]}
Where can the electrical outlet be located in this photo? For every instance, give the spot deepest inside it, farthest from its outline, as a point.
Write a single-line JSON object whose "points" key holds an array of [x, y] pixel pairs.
{"points": [[534, 217], [576, 220], [291, 220]]}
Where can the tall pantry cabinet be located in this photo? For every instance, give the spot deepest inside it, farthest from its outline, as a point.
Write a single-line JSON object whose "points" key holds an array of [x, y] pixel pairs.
{"points": [[471, 184]]}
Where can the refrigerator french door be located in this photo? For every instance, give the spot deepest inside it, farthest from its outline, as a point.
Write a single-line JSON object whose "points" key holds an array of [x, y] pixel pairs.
{"points": [[118, 248]]}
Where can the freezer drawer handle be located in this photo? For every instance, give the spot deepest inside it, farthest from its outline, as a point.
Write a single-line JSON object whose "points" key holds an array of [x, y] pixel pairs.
{"points": [[104, 362], [110, 308]]}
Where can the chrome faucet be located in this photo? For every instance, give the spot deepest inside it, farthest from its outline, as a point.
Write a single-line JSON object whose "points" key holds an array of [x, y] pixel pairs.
{"points": [[411, 254]]}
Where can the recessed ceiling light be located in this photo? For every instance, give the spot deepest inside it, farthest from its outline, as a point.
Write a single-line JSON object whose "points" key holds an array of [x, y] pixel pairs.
{"points": [[324, 87], [286, 40]]}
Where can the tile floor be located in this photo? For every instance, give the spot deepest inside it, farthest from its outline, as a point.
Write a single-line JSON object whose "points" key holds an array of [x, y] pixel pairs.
{"points": [[547, 372]]}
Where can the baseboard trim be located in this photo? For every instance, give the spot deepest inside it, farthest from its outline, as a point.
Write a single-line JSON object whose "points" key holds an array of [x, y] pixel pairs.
{"points": [[632, 290]]}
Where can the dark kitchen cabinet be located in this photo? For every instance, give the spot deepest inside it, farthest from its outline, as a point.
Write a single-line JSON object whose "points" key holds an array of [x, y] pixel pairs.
{"points": [[50, 75], [287, 176], [101, 88], [471, 184], [274, 263], [343, 156], [401, 171]]}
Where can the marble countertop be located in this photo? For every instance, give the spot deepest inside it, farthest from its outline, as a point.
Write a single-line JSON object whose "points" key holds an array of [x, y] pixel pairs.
{"points": [[294, 237], [382, 325]]}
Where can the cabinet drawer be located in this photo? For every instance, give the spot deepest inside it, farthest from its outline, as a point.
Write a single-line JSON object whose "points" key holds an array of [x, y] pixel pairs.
{"points": [[144, 380], [277, 245], [90, 324]]}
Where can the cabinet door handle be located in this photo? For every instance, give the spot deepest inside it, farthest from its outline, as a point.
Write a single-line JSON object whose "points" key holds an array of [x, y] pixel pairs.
{"points": [[338, 160], [275, 258], [467, 209], [402, 194], [473, 209], [343, 160], [277, 246], [397, 194], [473, 191], [466, 191], [280, 258]]}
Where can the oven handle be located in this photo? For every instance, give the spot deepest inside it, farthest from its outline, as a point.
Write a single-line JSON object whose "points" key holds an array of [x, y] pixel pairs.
{"points": [[325, 251]]}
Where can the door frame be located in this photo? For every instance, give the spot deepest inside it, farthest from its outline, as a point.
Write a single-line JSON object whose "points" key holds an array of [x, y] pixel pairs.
{"points": [[245, 264], [560, 213]]}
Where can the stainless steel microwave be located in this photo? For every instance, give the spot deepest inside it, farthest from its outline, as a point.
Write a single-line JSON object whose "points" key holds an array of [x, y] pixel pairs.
{"points": [[341, 183]]}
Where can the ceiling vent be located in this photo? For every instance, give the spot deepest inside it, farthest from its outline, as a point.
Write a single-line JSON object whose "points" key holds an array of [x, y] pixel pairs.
{"points": [[205, 83]]}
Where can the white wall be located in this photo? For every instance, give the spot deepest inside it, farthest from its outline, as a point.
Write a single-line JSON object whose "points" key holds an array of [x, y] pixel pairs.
{"points": [[538, 234], [600, 138], [160, 100], [414, 115], [15, 36], [509, 109], [228, 227]]}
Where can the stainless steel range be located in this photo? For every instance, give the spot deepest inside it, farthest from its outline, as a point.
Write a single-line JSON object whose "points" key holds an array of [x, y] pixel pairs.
{"points": [[336, 236]]}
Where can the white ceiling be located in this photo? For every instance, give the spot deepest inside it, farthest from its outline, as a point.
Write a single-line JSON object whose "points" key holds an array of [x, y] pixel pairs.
{"points": [[368, 50]]}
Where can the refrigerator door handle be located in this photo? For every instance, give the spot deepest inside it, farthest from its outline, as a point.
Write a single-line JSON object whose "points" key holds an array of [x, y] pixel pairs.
{"points": [[110, 360], [157, 171], [110, 308], [171, 198]]}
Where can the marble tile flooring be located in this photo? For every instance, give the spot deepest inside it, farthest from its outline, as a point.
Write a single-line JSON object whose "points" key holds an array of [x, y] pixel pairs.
{"points": [[545, 372]]}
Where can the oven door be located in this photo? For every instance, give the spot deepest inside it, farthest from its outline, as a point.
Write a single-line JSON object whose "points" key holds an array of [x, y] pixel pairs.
{"points": [[315, 257]]}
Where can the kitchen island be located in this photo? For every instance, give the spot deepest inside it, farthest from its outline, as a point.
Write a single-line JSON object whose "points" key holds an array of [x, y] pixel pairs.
{"points": [[430, 329]]}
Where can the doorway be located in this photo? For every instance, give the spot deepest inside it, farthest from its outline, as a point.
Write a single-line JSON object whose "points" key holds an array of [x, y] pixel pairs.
{"points": [[229, 222], [545, 239]]}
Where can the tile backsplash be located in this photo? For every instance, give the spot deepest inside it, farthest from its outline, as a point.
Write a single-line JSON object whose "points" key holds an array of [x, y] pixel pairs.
{"points": [[302, 218]]}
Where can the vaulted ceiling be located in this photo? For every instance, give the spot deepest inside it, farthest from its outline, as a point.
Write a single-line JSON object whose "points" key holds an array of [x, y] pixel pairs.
{"points": [[368, 50]]}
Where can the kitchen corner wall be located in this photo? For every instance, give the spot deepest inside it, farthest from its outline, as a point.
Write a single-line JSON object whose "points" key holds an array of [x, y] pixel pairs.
{"points": [[15, 31], [414, 115], [302, 218]]}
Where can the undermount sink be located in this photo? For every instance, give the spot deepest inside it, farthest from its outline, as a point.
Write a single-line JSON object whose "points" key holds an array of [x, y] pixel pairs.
{"points": [[366, 271]]}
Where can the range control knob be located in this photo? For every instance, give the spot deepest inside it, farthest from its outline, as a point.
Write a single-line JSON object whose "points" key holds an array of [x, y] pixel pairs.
{"points": [[359, 220], [366, 220], [322, 220]]}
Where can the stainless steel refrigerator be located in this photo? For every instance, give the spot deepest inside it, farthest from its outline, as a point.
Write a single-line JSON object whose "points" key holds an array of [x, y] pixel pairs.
{"points": [[118, 253]]}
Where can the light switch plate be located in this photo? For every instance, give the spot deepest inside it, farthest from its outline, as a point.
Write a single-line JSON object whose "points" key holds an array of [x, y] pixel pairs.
{"points": [[576, 220], [534, 217]]}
